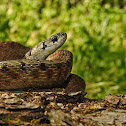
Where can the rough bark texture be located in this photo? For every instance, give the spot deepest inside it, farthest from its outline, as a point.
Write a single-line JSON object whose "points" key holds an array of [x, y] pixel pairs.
{"points": [[59, 108]]}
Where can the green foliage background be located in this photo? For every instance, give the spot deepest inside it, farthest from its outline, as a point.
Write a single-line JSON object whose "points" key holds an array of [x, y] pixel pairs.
{"points": [[96, 36]]}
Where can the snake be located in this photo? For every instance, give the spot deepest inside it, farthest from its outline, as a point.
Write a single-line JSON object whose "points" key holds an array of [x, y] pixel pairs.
{"points": [[42, 67]]}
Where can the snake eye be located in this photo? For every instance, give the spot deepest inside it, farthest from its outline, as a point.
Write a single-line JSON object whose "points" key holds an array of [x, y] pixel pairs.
{"points": [[54, 39]]}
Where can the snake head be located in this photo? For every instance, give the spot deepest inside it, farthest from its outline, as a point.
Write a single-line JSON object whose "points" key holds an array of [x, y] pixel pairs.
{"points": [[44, 48]]}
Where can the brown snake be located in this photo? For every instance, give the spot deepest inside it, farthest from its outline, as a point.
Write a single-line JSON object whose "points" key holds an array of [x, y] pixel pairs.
{"points": [[22, 71]]}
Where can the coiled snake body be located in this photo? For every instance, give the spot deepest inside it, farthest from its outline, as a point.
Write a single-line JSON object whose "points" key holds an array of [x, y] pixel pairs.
{"points": [[20, 71]]}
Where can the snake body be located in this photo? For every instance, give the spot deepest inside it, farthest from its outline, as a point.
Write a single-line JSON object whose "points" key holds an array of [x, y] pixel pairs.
{"points": [[41, 67]]}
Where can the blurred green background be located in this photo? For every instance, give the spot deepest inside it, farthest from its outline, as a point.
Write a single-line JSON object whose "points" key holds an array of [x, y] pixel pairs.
{"points": [[96, 36]]}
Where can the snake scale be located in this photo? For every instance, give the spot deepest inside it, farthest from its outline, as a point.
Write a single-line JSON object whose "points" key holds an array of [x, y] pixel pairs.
{"points": [[40, 67]]}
